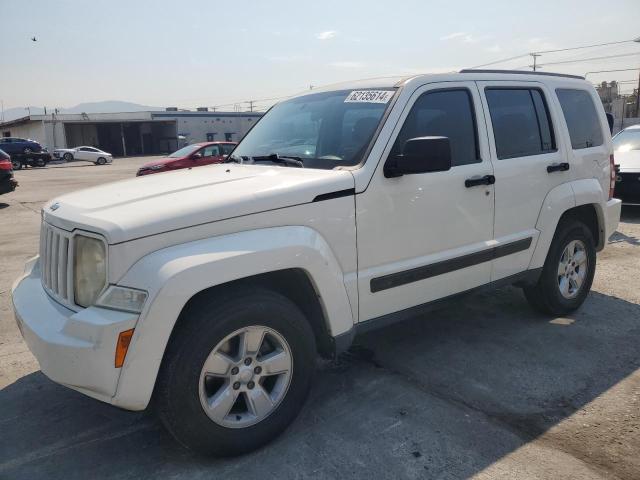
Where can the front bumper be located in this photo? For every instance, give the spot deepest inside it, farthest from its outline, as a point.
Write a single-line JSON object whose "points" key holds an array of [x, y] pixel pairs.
{"points": [[75, 349], [628, 187]]}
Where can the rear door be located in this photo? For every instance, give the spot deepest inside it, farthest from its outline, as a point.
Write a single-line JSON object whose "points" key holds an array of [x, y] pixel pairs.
{"points": [[529, 159], [81, 154], [7, 145]]}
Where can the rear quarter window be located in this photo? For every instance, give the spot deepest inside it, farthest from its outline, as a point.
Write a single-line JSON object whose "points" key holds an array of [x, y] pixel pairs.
{"points": [[582, 118]]}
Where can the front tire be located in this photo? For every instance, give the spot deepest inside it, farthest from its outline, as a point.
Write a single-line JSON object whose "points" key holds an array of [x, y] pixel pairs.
{"points": [[568, 271], [101, 161], [16, 164], [236, 372], [40, 163]]}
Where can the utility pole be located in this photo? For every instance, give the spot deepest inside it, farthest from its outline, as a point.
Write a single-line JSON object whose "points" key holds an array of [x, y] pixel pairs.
{"points": [[535, 58], [637, 40], [638, 97], [251, 102]]}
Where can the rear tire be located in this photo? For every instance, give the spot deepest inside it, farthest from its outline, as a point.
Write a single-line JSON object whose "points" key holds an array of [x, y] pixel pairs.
{"points": [[16, 164], [40, 163], [568, 271], [208, 330], [67, 157]]}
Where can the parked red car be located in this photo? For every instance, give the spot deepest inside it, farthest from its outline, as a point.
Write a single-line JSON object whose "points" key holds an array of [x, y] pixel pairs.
{"points": [[7, 182], [194, 155]]}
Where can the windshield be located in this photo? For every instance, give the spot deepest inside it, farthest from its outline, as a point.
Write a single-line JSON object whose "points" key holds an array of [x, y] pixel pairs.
{"points": [[627, 140], [324, 130], [184, 151]]}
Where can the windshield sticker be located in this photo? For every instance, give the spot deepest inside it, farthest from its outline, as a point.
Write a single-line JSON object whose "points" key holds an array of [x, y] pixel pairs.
{"points": [[369, 96]]}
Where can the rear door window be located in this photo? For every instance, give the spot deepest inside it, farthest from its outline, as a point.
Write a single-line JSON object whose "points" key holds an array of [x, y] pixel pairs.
{"points": [[227, 148], [521, 122], [581, 116], [211, 151]]}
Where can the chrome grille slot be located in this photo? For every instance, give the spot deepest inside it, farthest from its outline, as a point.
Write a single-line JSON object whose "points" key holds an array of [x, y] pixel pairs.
{"points": [[55, 256]]}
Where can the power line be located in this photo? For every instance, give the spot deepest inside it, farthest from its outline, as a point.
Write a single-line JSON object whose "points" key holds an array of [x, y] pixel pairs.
{"points": [[609, 71], [590, 59], [552, 51], [584, 46]]}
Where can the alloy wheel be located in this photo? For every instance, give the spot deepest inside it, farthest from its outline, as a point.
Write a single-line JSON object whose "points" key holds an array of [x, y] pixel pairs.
{"points": [[245, 377], [572, 269]]}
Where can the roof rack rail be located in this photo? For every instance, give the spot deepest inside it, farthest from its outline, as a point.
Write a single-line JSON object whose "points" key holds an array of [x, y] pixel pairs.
{"points": [[521, 72]]}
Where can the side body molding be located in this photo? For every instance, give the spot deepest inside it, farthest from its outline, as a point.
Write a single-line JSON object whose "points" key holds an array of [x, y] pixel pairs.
{"points": [[174, 274]]}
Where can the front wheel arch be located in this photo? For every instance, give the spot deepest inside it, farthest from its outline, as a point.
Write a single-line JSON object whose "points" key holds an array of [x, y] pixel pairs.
{"points": [[293, 284]]}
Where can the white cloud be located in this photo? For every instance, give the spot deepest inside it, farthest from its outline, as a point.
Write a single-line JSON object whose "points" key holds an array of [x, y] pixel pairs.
{"points": [[494, 49], [287, 58], [451, 36], [465, 37], [346, 64], [328, 35]]}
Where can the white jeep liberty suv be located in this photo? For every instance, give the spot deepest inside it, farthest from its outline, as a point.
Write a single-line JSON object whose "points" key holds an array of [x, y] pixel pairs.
{"points": [[344, 209]]}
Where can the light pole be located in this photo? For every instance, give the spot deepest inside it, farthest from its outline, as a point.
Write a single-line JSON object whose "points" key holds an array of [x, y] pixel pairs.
{"points": [[637, 40]]}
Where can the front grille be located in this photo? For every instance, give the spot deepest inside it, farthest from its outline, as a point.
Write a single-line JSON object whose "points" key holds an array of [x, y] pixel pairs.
{"points": [[56, 263]]}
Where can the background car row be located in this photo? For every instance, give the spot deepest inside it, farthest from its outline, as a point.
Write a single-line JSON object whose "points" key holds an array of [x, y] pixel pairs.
{"points": [[626, 145]]}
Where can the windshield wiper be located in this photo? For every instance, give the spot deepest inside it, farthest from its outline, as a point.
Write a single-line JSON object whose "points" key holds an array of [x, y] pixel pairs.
{"points": [[283, 159], [272, 157]]}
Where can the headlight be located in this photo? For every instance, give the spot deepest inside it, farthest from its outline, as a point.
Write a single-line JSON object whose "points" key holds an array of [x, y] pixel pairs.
{"points": [[155, 167], [89, 269], [123, 298]]}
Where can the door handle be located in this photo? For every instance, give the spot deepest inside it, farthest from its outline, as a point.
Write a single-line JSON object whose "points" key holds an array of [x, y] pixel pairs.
{"points": [[475, 181], [558, 167]]}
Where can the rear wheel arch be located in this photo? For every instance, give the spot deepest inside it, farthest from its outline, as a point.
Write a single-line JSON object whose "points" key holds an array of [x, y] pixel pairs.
{"points": [[591, 215]]}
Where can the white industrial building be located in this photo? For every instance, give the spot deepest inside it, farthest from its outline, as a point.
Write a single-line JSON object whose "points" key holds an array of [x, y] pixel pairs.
{"points": [[131, 133]]}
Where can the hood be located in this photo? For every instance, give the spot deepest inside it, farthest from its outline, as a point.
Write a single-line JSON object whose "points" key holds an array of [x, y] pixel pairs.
{"points": [[163, 161], [153, 204], [628, 161]]}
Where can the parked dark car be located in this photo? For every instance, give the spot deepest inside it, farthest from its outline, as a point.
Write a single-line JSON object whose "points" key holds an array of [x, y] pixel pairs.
{"points": [[7, 182], [194, 155], [13, 145], [19, 160]]}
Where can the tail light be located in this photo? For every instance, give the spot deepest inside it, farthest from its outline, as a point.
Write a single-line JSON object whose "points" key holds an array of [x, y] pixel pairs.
{"points": [[612, 176], [5, 165]]}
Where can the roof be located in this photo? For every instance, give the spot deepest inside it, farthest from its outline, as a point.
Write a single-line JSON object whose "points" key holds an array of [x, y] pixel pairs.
{"points": [[142, 116], [468, 74]]}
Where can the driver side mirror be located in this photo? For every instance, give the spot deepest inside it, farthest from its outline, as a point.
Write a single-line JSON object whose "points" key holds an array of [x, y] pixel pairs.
{"points": [[420, 155], [196, 156]]}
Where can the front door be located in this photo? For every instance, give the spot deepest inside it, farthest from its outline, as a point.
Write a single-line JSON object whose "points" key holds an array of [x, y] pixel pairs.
{"points": [[529, 159], [426, 236]]}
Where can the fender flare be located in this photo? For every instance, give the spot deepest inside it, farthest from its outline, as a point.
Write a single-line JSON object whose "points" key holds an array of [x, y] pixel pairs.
{"points": [[173, 275], [556, 203]]}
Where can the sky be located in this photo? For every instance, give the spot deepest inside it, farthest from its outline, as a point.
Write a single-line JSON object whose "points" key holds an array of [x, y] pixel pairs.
{"points": [[204, 53]]}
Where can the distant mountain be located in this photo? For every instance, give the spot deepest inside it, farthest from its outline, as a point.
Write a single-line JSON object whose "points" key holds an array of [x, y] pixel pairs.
{"points": [[108, 106]]}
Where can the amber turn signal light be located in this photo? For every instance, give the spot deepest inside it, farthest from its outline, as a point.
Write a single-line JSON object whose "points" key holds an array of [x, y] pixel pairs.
{"points": [[124, 339]]}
